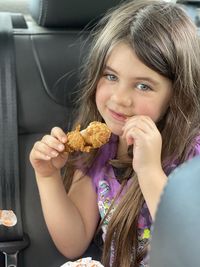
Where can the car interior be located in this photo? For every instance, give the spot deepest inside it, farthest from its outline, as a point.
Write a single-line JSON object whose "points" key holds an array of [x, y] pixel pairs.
{"points": [[41, 52], [48, 47]]}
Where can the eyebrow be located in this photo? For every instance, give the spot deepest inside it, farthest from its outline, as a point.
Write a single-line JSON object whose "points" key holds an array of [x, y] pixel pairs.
{"points": [[140, 78]]}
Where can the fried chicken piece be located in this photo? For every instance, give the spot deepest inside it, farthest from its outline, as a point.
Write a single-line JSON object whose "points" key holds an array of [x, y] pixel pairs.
{"points": [[75, 141], [94, 136]]}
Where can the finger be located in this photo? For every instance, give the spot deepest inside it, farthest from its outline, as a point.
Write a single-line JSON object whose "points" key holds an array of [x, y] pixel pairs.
{"points": [[149, 122], [134, 124], [149, 126], [133, 135], [40, 156], [45, 149], [145, 119], [59, 134], [36, 155], [53, 143], [143, 123]]}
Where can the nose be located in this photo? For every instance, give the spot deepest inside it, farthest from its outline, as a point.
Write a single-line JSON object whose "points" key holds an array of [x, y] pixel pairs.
{"points": [[122, 96]]}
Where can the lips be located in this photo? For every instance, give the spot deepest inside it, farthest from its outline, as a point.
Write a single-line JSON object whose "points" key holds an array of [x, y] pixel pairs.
{"points": [[117, 116]]}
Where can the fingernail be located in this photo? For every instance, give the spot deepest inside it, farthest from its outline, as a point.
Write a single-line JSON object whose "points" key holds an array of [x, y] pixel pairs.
{"points": [[64, 139], [60, 147]]}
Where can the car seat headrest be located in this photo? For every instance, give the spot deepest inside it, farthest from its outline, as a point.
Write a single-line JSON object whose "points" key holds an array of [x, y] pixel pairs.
{"points": [[63, 13]]}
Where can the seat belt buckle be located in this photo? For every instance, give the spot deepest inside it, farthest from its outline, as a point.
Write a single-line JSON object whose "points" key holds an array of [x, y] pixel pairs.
{"points": [[11, 249]]}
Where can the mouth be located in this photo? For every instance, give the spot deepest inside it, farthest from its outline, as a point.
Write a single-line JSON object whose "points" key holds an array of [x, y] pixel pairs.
{"points": [[118, 116]]}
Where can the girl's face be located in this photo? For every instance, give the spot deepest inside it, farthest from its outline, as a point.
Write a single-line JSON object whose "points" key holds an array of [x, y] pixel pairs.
{"points": [[128, 88]]}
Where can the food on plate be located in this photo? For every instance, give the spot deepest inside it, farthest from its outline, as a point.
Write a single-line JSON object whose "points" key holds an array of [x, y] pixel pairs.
{"points": [[94, 136], [7, 218], [84, 262]]}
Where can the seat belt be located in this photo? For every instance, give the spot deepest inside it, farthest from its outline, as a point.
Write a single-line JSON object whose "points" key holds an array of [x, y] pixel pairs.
{"points": [[12, 239]]}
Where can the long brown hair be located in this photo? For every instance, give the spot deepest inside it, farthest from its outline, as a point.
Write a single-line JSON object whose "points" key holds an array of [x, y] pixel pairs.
{"points": [[166, 40]]}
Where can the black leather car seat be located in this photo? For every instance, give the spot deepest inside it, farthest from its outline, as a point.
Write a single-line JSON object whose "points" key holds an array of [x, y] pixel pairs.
{"points": [[48, 55]]}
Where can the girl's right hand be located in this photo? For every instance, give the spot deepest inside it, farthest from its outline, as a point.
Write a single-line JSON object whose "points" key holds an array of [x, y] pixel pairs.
{"points": [[47, 155]]}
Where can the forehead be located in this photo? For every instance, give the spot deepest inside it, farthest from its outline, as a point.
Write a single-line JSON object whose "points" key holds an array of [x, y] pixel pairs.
{"points": [[123, 60], [123, 57]]}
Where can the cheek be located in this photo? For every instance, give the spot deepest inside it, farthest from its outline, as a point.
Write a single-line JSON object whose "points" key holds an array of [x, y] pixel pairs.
{"points": [[98, 99], [101, 96], [152, 111]]}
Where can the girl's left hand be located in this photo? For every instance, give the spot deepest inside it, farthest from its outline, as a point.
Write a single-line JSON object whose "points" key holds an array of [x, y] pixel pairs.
{"points": [[143, 133]]}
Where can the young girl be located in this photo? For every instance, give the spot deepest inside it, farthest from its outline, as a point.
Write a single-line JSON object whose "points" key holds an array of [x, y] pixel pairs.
{"points": [[142, 78]]}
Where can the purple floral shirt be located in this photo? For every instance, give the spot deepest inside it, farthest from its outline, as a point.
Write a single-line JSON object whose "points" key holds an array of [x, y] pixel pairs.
{"points": [[107, 187]]}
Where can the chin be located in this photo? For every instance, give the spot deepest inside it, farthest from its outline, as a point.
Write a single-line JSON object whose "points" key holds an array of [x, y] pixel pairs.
{"points": [[116, 130]]}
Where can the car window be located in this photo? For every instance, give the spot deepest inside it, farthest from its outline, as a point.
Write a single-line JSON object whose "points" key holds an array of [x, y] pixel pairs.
{"points": [[15, 6]]}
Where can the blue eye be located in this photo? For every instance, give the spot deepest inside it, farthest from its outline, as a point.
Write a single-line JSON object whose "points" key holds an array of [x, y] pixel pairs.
{"points": [[110, 77], [143, 87]]}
